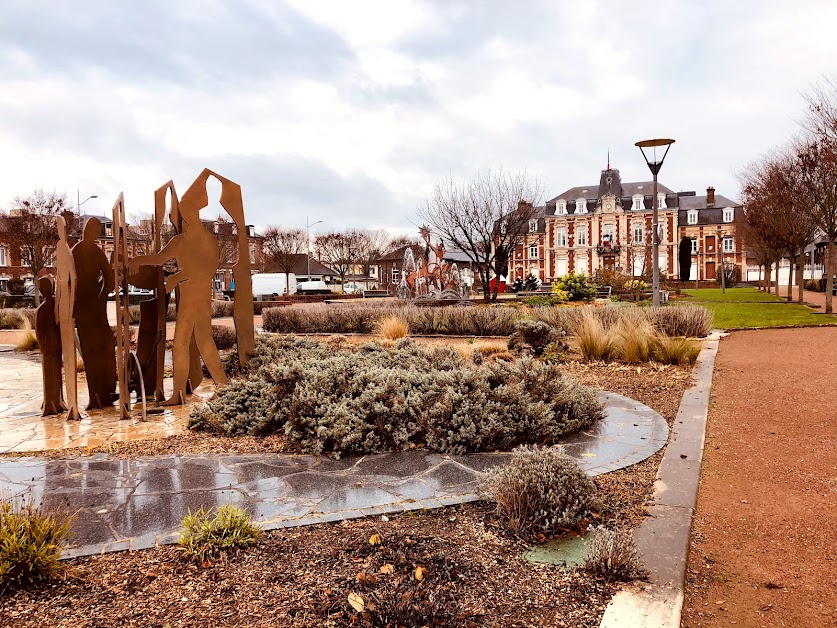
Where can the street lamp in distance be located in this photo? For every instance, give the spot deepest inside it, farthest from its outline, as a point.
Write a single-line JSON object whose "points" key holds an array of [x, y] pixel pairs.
{"points": [[80, 202], [308, 226], [649, 153]]}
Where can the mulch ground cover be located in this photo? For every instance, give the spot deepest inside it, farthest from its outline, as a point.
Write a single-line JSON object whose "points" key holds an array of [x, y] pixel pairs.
{"points": [[471, 572]]}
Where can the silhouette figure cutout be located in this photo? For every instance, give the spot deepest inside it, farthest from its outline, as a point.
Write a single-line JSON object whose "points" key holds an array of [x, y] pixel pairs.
{"points": [[49, 343], [195, 251], [65, 289], [96, 340]]}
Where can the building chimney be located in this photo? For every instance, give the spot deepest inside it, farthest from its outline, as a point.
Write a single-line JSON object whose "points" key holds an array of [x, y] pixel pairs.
{"points": [[522, 205], [710, 196]]}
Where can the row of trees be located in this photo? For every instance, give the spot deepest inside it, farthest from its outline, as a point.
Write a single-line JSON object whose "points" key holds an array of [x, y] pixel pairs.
{"points": [[342, 251], [790, 195]]}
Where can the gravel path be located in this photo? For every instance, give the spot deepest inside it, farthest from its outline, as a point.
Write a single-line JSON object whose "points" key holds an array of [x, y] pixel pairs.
{"points": [[763, 541]]}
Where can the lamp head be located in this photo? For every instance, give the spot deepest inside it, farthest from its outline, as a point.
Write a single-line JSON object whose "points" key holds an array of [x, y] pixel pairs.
{"points": [[649, 152]]}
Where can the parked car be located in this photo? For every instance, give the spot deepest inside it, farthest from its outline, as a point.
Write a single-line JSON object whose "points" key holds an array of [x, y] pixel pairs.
{"points": [[353, 288], [270, 286], [312, 287]]}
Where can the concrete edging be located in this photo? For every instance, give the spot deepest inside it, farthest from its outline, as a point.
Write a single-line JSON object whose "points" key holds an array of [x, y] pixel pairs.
{"points": [[663, 538]]}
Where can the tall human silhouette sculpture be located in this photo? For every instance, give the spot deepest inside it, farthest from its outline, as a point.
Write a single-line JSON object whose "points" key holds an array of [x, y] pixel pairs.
{"points": [[195, 250], [65, 298], [96, 340], [49, 343]]}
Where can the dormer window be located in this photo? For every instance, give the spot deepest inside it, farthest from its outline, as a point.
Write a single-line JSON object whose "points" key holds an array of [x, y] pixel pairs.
{"points": [[533, 226], [729, 214], [504, 226], [581, 206], [638, 202], [692, 217], [661, 201], [561, 208]]}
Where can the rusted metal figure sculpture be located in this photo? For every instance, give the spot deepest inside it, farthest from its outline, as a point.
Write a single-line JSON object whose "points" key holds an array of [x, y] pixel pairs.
{"points": [[96, 340], [430, 277], [65, 298], [49, 343]]}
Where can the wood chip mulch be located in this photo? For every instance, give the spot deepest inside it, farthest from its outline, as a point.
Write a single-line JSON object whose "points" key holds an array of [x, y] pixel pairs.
{"points": [[471, 574]]}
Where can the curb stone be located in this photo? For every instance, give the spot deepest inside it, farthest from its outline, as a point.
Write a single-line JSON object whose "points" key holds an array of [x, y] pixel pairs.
{"points": [[663, 538]]}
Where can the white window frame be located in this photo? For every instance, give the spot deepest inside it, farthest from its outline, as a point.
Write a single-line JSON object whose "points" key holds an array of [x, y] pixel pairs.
{"points": [[661, 200], [581, 265], [694, 245], [728, 244], [581, 235], [396, 274], [692, 217], [561, 236], [533, 251], [639, 202], [561, 208], [729, 214], [533, 226], [581, 206], [609, 229], [638, 233], [4, 256]]}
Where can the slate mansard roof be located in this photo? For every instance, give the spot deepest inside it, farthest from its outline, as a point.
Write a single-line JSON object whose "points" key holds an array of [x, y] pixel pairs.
{"points": [[611, 183]]}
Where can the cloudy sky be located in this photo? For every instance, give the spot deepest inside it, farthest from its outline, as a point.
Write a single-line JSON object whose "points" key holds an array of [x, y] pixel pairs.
{"points": [[347, 112]]}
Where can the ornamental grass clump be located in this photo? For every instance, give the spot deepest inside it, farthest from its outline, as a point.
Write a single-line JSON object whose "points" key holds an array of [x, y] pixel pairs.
{"points": [[612, 554], [392, 328], [30, 543], [668, 350], [206, 534], [594, 341], [540, 490], [354, 400], [633, 340]]}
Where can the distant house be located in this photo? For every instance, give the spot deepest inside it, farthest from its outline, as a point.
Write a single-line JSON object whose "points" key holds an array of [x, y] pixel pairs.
{"points": [[319, 271]]}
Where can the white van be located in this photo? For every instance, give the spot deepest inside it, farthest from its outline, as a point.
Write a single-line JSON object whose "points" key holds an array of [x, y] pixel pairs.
{"points": [[270, 286]]}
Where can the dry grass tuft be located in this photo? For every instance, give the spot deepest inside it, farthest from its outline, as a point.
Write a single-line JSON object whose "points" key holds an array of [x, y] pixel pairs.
{"points": [[671, 350], [594, 341], [29, 342], [392, 328], [633, 339]]}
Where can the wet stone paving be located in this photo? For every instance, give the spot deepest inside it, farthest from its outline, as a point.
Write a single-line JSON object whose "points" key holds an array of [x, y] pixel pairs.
{"points": [[139, 503]]}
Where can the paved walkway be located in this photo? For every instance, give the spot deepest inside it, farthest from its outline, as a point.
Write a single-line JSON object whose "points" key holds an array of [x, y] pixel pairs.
{"points": [[139, 503], [763, 547]]}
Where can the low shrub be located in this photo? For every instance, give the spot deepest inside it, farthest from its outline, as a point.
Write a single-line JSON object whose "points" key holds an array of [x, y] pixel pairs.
{"points": [[533, 335], [540, 490], [30, 543], [371, 398], [222, 309], [224, 336], [577, 287], [15, 318], [612, 555], [548, 300], [392, 328], [692, 321], [669, 350], [205, 534]]}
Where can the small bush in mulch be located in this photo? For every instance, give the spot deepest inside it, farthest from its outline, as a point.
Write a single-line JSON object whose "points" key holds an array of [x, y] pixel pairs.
{"points": [[612, 554], [534, 335], [206, 534], [540, 490], [30, 543], [224, 336], [669, 350], [338, 399]]}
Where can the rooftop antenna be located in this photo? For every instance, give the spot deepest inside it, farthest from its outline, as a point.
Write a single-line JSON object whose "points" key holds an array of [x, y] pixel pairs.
{"points": [[608, 157]]}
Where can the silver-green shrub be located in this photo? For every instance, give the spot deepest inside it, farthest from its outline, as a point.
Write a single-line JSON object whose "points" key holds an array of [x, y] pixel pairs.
{"points": [[540, 490], [535, 336], [343, 399], [612, 554]]}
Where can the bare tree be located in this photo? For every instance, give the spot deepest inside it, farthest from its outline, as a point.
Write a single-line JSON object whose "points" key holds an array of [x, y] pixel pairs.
{"points": [[780, 208], [30, 231], [486, 219], [339, 251], [283, 248], [371, 247], [818, 155]]}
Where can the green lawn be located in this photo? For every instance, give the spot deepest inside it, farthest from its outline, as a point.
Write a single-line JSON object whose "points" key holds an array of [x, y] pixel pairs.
{"points": [[742, 308]]}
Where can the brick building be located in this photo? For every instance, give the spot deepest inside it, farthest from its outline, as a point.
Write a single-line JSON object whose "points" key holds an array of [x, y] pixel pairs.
{"points": [[710, 223]]}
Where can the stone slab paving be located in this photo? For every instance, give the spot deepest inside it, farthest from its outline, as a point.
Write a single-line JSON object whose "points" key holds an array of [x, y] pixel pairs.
{"points": [[139, 503], [22, 428]]}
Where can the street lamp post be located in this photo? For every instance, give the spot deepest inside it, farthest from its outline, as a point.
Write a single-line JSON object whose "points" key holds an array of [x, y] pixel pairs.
{"points": [[80, 202], [655, 165], [308, 244]]}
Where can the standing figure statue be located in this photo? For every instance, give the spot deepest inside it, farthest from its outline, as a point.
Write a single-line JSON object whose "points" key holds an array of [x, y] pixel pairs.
{"points": [[196, 253], [49, 343], [96, 340], [65, 297]]}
